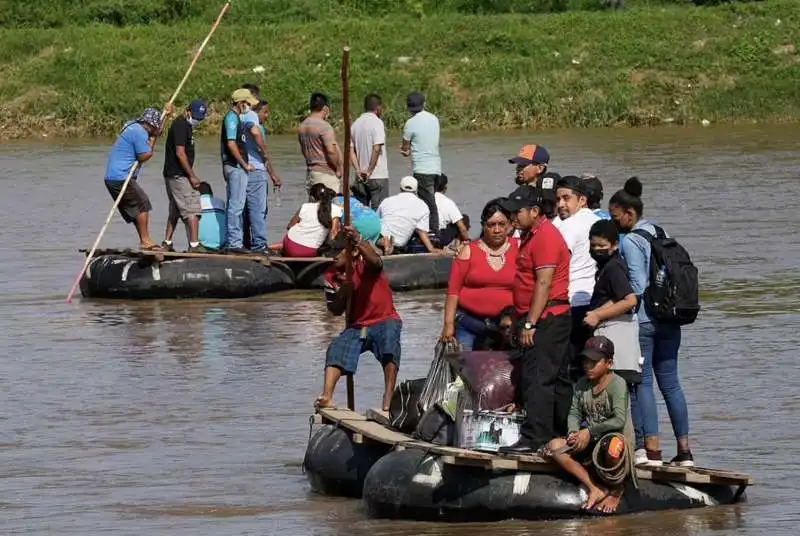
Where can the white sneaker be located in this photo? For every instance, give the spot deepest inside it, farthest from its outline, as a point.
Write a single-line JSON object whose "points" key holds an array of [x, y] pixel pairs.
{"points": [[640, 457]]}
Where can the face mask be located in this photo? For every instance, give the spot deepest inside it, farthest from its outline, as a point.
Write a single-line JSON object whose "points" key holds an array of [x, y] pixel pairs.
{"points": [[245, 108], [600, 256], [194, 122]]}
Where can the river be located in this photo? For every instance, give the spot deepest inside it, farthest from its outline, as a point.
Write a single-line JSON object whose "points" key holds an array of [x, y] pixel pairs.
{"points": [[192, 417]]}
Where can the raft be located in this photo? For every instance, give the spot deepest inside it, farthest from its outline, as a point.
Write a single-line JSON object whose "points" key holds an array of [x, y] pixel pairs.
{"points": [[137, 275], [406, 272], [422, 481]]}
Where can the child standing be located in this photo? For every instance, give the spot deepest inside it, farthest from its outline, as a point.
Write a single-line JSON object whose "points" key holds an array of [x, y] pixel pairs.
{"points": [[600, 406]]}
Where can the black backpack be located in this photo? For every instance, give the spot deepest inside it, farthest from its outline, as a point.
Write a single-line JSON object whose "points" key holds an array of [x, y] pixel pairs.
{"points": [[673, 294], [404, 411]]}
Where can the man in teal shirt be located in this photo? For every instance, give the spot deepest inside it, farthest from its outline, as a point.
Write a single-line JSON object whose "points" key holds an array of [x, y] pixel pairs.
{"points": [[421, 142]]}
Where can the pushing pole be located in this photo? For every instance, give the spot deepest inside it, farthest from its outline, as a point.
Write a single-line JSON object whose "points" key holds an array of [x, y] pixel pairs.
{"points": [[136, 165], [351, 390]]}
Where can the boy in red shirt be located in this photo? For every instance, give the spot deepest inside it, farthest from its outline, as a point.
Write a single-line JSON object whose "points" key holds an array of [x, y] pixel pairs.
{"points": [[373, 325], [541, 301]]}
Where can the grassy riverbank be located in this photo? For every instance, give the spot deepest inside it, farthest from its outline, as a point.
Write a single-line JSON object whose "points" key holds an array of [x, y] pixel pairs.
{"points": [[632, 67]]}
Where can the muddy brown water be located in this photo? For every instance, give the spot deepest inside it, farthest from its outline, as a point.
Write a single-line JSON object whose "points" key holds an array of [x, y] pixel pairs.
{"points": [[192, 417]]}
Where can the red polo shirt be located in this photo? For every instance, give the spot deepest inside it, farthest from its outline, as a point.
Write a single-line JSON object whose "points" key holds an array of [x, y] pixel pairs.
{"points": [[542, 247]]}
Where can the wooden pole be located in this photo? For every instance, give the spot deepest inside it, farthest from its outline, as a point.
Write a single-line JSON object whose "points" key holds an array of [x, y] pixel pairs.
{"points": [[351, 390], [135, 167]]}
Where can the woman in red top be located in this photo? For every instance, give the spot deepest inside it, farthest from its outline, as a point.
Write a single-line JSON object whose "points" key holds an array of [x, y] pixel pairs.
{"points": [[481, 279]]}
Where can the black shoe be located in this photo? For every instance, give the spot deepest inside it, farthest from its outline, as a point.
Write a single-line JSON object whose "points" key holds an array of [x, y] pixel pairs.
{"points": [[237, 251], [683, 459], [265, 252], [167, 247], [520, 447]]}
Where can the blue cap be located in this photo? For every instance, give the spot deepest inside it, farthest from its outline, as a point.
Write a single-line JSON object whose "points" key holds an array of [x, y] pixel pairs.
{"points": [[199, 109]]}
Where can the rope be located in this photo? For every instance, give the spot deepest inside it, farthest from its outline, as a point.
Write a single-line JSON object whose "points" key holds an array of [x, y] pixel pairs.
{"points": [[617, 473]]}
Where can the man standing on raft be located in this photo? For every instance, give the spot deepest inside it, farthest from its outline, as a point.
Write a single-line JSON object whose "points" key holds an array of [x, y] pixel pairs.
{"points": [[134, 144], [374, 324]]}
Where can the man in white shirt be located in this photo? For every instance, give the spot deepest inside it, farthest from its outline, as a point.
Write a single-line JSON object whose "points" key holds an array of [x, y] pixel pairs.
{"points": [[576, 220], [421, 142], [402, 216], [452, 224], [368, 152]]}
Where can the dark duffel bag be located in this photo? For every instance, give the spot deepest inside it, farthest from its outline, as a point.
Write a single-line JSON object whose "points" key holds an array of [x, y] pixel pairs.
{"points": [[435, 426], [404, 412]]}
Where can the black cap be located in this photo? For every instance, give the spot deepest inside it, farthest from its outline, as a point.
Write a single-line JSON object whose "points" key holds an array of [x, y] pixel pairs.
{"points": [[573, 183], [415, 102], [597, 348], [525, 196], [593, 188]]}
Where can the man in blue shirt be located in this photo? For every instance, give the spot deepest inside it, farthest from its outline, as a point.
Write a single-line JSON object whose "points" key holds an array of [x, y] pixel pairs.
{"points": [[235, 166], [421, 142], [134, 144]]}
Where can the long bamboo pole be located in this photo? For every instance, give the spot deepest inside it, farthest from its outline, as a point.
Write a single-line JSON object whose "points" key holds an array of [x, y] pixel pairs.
{"points": [[135, 167]]}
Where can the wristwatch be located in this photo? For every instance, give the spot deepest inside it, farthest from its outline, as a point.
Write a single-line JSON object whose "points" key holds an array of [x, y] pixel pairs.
{"points": [[528, 326]]}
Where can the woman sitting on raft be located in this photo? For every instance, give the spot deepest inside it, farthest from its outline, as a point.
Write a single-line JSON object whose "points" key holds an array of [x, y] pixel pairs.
{"points": [[365, 220], [481, 280], [313, 224]]}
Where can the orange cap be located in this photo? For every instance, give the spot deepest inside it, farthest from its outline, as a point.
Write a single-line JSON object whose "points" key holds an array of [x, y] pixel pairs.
{"points": [[531, 154]]}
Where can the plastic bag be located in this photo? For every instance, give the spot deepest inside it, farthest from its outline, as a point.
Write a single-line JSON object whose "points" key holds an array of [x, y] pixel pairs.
{"points": [[490, 377], [439, 377]]}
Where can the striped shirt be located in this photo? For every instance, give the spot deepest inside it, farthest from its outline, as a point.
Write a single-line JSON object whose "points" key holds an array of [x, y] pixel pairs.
{"points": [[316, 137]]}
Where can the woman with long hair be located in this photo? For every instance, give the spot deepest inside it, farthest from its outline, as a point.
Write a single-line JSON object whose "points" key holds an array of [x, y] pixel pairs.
{"points": [[313, 224], [660, 342], [481, 279]]}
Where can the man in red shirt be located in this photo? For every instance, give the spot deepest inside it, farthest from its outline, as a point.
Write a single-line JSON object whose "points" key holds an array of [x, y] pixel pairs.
{"points": [[373, 323], [541, 301]]}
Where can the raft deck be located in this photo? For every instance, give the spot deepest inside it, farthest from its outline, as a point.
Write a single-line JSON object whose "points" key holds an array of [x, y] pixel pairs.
{"points": [[374, 428]]}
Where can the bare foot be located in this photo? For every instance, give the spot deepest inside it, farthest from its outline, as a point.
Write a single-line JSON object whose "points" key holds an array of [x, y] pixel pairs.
{"points": [[595, 496], [610, 504], [323, 402]]}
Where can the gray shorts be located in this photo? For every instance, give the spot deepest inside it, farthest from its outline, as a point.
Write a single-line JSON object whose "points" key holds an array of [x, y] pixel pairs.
{"points": [[184, 201], [134, 201]]}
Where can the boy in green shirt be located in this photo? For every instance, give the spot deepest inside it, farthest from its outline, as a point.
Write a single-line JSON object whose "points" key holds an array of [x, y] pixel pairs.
{"points": [[600, 406]]}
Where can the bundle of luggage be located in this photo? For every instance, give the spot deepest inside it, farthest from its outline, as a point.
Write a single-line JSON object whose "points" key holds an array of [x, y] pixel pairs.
{"points": [[468, 400]]}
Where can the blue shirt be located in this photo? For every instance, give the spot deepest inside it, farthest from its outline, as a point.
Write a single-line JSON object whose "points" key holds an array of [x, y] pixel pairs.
{"points": [[635, 250], [249, 120], [131, 142], [602, 214], [212, 222], [365, 220], [422, 131]]}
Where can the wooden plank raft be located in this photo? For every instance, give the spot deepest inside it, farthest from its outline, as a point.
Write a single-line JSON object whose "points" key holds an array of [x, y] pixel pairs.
{"points": [[374, 427]]}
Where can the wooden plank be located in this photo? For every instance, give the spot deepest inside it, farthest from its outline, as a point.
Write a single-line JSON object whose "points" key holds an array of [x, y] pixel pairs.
{"points": [[366, 429], [161, 255]]}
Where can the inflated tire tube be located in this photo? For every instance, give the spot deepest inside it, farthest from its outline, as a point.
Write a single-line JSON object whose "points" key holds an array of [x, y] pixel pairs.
{"points": [[335, 465], [411, 484], [118, 276], [407, 272]]}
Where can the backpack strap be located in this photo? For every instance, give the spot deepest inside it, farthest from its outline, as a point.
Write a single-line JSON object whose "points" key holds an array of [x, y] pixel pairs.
{"points": [[647, 236]]}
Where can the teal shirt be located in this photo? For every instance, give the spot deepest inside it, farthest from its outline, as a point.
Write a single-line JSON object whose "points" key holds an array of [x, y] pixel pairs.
{"points": [[422, 131], [365, 220]]}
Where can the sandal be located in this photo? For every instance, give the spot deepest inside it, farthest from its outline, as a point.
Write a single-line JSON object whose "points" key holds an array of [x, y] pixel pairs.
{"points": [[323, 402]]}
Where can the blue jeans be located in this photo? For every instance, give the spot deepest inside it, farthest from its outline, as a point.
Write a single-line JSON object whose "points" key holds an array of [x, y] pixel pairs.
{"points": [[660, 344], [469, 328], [236, 188], [257, 209]]}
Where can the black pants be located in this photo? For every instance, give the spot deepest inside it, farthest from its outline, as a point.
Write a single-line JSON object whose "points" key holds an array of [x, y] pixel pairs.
{"points": [[451, 232], [545, 386], [426, 187], [577, 340]]}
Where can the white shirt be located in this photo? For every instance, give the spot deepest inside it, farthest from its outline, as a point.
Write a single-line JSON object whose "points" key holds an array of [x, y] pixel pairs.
{"points": [[447, 209], [422, 131], [366, 132], [582, 267], [309, 232], [401, 215]]}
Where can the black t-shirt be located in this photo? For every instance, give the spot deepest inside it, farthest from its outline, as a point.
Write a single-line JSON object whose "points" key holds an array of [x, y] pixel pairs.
{"points": [[180, 134], [612, 282]]}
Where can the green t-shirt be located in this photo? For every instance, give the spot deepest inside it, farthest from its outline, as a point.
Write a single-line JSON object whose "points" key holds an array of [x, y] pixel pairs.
{"points": [[605, 412]]}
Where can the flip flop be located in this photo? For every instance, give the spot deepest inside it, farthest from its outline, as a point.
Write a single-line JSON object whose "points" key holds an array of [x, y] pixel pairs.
{"points": [[319, 405]]}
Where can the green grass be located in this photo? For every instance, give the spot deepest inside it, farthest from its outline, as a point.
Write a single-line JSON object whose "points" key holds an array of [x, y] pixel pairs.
{"points": [[634, 67]]}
